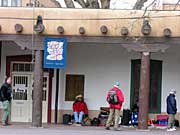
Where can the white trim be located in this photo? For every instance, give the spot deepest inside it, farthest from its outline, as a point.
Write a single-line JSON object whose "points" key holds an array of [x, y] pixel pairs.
{"points": [[19, 3]]}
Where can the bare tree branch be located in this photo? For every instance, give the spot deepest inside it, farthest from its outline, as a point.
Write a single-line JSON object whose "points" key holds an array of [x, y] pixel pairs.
{"points": [[176, 4], [69, 3], [48, 3], [82, 3], [105, 4], [93, 4], [139, 4], [148, 7]]}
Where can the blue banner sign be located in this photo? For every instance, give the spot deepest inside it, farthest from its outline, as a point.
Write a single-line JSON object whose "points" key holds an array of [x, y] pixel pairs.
{"points": [[55, 51]]}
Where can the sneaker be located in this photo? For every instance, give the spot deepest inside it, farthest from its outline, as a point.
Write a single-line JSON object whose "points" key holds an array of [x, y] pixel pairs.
{"points": [[77, 124], [174, 129], [4, 124], [107, 128], [117, 129], [171, 129]]}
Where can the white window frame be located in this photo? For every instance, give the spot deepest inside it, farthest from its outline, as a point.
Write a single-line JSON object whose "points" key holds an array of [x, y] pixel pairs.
{"points": [[18, 4], [10, 3], [2, 4]]}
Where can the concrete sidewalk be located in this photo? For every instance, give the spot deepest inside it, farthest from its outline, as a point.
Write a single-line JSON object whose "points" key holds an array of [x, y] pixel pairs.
{"points": [[26, 129]]}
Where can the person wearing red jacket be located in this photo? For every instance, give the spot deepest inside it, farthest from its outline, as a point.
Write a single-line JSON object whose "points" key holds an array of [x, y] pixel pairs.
{"points": [[79, 109], [115, 98]]}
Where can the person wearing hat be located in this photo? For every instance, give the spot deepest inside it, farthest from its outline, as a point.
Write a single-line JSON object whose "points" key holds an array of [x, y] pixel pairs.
{"points": [[79, 109], [115, 98], [171, 110]]}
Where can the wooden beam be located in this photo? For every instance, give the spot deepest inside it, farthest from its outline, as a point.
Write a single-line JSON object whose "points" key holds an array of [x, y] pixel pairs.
{"points": [[146, 47], [104, 29], [18, 28], [131, 43]]}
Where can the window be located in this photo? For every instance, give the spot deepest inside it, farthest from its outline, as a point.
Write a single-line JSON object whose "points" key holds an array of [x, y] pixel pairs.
{"points": [[4, 3], [74, 86], [10, 3], [24, 67], [20, 93], [15, 3]]}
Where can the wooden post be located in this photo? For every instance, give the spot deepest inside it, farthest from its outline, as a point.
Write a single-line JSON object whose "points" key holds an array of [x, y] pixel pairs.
{"points": [[0, 53], [56, 97], [144, 91], [38, 88]]}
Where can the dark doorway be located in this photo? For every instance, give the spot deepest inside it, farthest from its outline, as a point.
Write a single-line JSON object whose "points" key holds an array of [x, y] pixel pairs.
{"points": [[155, 84]]}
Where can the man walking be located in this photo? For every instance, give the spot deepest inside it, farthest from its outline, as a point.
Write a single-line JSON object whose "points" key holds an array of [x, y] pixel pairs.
{"points": [[171, 110], [5, 92], [115, 98]]}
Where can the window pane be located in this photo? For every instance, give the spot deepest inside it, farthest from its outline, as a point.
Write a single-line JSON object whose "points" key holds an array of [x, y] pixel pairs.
{"points": [[15, 67], [4, 3], [28, 67], [15, 3], [21, 67]]}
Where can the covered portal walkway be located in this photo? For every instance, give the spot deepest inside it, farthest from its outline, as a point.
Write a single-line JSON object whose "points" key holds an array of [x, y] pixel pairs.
{"points": [[139, 31], [25, 129]]}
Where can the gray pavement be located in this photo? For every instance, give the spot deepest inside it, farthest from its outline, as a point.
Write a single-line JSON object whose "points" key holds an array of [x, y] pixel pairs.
{"points": [[26, 129]]}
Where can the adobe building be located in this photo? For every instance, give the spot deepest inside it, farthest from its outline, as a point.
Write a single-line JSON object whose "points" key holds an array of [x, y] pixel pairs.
{"points": [[104, 46], [29, 3]]}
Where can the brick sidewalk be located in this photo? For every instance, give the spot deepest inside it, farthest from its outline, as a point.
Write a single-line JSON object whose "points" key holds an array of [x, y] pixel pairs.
{"points": [[25, 129]]}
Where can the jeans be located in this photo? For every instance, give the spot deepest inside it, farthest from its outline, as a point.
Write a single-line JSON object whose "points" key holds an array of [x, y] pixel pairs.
{"points": [[113, 116], [6, 111], [171, 120], [78, 117]]}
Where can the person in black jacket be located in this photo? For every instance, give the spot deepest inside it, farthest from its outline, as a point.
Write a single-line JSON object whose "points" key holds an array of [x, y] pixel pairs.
{"points": [[171, 110], [6, 99]]}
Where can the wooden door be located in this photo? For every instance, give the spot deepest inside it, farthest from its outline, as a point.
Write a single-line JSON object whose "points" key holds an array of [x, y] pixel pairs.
{"points": [[21, 96], [155, 84]]}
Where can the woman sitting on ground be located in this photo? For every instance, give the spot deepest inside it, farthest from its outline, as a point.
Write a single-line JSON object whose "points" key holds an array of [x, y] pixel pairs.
{"points": [[79, 109]]}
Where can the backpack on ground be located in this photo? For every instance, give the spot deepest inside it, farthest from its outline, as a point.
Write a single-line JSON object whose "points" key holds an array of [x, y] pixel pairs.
{"points": [[66, 119], [126, 117], [86, 122], [176, 123], [113, 98], [95, 122]]}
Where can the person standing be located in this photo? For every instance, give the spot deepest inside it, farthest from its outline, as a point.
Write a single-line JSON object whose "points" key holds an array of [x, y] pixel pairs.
{"points": [[171, 110], [6, 99], [115, 98], [79, 109]]}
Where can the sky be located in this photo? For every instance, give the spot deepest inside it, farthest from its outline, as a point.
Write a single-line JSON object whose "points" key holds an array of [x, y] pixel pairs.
{"points": [[126, 4]]}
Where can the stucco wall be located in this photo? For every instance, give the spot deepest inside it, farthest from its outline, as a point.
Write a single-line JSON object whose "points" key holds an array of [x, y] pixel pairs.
{"points": [[104, 64], [171, 73], [90, 19]]}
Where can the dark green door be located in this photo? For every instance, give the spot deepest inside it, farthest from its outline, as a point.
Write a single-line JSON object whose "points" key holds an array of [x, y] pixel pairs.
{"points": [[155, 84]]}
